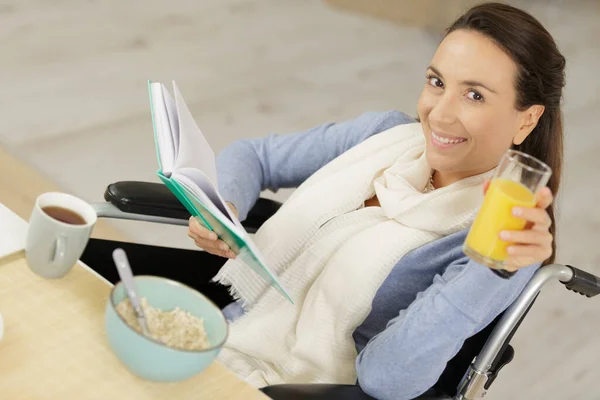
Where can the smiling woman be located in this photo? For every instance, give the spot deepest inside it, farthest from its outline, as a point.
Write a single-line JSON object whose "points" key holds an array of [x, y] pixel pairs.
{"points": [[370, 245], [495, 80], [467, 108]]}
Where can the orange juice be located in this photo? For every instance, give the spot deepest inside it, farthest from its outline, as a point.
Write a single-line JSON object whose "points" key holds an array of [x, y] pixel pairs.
{"points": [[495, 216]]}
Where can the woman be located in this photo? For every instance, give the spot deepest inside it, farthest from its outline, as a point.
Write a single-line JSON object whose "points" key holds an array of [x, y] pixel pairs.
{"points": [[369, 245]]}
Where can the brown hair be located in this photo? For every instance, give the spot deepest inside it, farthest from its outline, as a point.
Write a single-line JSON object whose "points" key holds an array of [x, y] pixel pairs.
{"points": [[540, 80]]}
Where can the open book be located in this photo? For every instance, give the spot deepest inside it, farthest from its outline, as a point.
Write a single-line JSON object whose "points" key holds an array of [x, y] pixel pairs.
{"points": [[187, 167]]}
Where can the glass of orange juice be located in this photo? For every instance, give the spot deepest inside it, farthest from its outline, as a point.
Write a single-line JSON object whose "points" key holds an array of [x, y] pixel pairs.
{"points": [[516, 182]]}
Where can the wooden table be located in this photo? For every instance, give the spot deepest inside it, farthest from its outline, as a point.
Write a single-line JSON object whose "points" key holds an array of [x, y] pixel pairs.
{"points": [[54, 345]]}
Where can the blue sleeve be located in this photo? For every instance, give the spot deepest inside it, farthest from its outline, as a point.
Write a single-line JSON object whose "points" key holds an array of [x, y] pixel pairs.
{"points": [[246, 167], [408, 357]]}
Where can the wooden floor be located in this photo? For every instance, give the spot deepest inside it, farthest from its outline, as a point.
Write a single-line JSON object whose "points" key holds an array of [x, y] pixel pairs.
{"points": [[75, 115]]}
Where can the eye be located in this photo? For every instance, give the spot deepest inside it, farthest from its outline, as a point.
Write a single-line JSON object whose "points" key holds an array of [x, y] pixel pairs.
{"points": [[435, 81], [474, 95]]}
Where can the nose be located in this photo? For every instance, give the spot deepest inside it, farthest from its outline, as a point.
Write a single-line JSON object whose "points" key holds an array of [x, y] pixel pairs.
{"points": [[444, 110]]}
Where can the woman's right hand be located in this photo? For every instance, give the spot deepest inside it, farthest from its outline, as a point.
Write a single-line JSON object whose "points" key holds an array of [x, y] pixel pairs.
{"points": [[208, 240]]}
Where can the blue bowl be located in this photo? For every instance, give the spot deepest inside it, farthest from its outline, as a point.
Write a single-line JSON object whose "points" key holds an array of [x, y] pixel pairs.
{"points": [[149, 359]]}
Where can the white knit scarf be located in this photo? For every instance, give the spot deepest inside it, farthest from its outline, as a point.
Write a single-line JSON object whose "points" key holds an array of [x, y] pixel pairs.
{"points": [[333, 255]]}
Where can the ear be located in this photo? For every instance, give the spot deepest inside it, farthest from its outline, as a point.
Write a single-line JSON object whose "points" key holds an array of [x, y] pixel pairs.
{"points": [[528, 122]]}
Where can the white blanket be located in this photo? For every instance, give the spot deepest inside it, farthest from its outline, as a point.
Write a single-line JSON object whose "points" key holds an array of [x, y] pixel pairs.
{"points": [[333, 255]]}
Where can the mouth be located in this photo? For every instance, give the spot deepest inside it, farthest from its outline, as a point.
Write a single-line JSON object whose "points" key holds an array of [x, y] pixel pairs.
{"points": [[444, 141]]}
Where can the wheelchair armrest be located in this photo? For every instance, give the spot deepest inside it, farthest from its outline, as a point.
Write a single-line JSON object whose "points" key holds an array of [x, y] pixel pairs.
{"points": [[145, 198], [511, 318], [156, 200], [477, 377], [325, 391]]}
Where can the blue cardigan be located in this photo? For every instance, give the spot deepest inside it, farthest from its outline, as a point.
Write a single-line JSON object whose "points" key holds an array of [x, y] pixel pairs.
{"points": [[433, 299]]}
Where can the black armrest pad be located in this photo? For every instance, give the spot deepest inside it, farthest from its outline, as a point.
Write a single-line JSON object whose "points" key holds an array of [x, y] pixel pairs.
{"points": [[145, 198], [329, 392], [156, 199]]}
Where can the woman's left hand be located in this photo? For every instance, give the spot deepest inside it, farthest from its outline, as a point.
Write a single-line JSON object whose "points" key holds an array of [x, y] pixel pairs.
{"points": [[533, 244]]}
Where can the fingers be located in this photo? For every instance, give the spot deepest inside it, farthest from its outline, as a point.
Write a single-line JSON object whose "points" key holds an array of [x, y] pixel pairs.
{"points": [[216, 247], [530, 247], [545, 198], [531, 253], [533, 244], [538, 217], [208, 240], [199, 231], [528, 236]]}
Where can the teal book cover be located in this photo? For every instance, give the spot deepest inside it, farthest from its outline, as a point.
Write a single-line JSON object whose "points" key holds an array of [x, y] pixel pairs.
{"points": [[209, 215]]}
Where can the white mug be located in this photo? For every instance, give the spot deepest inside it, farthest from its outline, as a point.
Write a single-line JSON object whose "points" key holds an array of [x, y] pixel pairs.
{"points": [[54, 246]]}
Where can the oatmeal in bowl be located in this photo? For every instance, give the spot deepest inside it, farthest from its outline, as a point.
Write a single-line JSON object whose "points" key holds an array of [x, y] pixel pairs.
{"points": [[187, 330], [175, 328]]}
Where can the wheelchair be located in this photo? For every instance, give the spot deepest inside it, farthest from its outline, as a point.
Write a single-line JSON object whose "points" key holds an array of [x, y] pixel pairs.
{"points": [[467, 376]]}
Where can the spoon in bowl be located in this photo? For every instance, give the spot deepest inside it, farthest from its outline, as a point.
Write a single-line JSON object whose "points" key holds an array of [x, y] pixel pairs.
{"points": [[124, 269]]}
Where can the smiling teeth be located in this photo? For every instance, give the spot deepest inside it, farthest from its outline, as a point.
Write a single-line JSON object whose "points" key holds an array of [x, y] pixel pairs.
{"points": [[446, 141]]}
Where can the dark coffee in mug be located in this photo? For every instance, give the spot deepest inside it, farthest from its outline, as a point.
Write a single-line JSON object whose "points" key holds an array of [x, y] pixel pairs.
{"points": [[64, 215]]}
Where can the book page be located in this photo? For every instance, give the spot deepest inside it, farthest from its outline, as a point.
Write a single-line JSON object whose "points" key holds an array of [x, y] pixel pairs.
{"points": [[205, 190], [194, 150], [171, 108], [218, 220], [162, 129]]}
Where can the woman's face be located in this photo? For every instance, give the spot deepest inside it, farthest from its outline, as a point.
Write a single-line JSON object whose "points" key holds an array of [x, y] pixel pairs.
{"points": [[467, 107]]}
